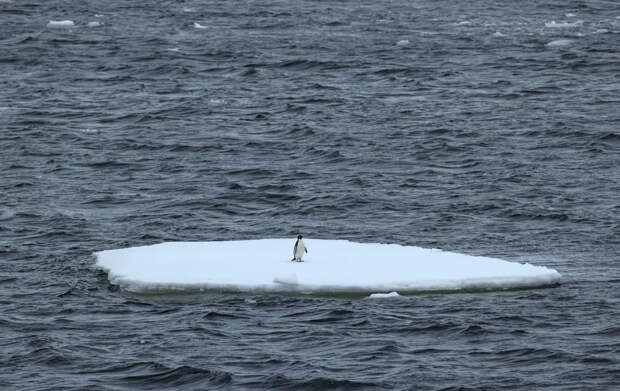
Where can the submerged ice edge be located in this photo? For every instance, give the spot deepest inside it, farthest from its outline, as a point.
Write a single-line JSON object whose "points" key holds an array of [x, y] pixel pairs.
{"points": [[484, 285]]}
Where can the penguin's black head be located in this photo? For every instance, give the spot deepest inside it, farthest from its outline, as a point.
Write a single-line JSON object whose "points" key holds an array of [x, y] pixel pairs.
{"points": [[299, 236]]}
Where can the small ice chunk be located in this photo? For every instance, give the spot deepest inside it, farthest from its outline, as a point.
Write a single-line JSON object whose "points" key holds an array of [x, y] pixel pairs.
{"points": [[94, 24], [199, 26], [403, 42], [98, 16], [560, 42], [383, 295], [60, 23], [570, 15], [498, 34]]}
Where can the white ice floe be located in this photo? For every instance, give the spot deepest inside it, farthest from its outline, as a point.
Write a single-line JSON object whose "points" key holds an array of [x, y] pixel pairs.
{"points": [[403, 42], [329, 266], [60, 23], [94, 24], [383, 295], [560, 42], [199, 26]]}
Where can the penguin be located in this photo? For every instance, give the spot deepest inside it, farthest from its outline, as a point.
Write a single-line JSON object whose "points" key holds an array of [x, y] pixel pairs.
{"points": [[299, 249]]}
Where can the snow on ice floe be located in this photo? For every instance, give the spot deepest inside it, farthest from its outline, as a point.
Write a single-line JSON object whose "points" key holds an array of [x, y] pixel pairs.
{"points": [[60, 24], [329, 266]]}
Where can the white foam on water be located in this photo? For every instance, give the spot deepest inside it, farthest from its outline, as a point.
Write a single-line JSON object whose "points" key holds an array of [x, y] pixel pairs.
{"points": [[89, 131], [570, 15], [199, 26], [329, 266], [383, 295], [498, 34], [560, 42], [554, 24], [403, 42], [60, 23], [98, 16]]}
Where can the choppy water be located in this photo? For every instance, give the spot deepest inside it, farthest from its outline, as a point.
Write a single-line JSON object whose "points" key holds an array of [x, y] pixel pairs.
{"points": [[478, 127]]}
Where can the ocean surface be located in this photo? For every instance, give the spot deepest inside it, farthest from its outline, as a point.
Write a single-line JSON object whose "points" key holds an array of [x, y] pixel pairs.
{"points": [[480, 127]]}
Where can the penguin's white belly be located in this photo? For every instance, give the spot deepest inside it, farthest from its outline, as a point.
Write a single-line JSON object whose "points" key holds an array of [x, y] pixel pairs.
{"points": [[301, 248]]}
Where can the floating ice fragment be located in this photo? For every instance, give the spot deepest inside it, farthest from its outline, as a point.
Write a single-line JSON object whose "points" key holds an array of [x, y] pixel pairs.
{"points": [[403, 42], [570, 15], [329, 266], [199, 26], [498, 34], [94, 24], [383, 295], [60, 23]]}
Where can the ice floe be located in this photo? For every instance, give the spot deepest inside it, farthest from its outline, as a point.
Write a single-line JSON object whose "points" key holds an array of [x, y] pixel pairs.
{"points": [[329, 266]]}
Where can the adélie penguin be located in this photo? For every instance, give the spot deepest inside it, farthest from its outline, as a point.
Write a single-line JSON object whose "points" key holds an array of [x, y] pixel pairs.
{"points": [[299, 249]]}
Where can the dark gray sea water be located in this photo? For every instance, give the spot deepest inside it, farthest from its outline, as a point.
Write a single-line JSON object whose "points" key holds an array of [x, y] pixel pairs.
{"points": [[481, 127]]}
